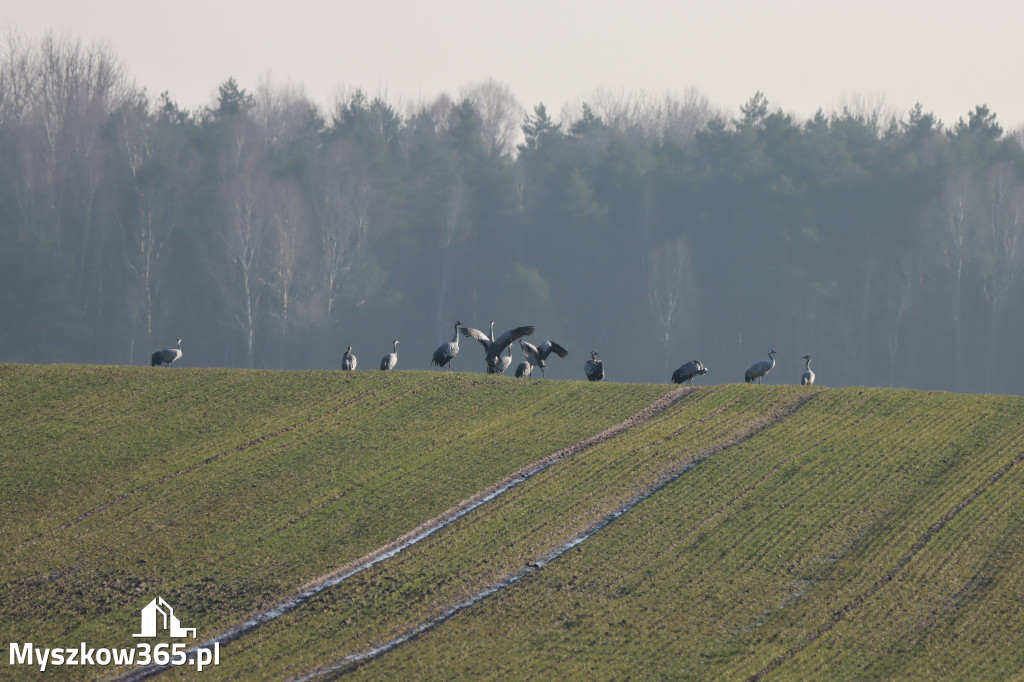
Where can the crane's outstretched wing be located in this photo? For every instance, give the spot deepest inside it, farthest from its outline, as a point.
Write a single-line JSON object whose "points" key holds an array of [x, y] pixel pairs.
{"points": [[549, 347], [503, 341], [471, 333]]}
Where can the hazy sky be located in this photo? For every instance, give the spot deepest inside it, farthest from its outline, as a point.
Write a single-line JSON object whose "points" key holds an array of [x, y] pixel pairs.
{"points": [[950, 56]]}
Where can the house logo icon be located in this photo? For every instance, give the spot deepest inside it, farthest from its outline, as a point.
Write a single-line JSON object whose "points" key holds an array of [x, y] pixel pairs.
{"points": [[170, 621]]}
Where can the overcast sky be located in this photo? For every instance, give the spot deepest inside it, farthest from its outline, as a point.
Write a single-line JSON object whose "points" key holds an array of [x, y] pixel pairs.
{"points": [[950, 56]]}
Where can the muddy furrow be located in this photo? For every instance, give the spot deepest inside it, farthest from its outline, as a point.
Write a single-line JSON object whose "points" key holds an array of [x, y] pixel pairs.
{"points": [[424, 530], [843, 613], [577, 536]]}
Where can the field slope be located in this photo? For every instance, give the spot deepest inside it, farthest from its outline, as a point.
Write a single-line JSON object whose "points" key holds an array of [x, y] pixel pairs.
{"points": [[223, 490], [723, 532]]}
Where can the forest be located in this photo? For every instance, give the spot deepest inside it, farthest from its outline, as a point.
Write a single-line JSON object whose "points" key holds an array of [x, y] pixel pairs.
{"points": [[267, 231]]}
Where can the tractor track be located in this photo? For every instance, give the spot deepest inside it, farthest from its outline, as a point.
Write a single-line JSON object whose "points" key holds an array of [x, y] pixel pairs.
{"points": [[422, 531], [737, 436], [715, 516]]}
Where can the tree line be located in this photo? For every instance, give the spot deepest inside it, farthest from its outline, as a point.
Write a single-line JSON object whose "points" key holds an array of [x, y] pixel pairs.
{"points": [[269, 232]]}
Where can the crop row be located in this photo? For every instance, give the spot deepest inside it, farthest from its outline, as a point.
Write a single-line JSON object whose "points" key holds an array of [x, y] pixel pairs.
{"points": [[243, 485], [502, 539], [873, 533]]}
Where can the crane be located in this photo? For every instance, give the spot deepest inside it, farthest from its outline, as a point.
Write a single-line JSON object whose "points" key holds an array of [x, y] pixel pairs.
{"points": [[348, 360], [688, 371], [166, 356], [760, 369], [807, 378], [493, 347], [536, 355], [446, 352], [594, 368], [389, 361], [503, 362]]}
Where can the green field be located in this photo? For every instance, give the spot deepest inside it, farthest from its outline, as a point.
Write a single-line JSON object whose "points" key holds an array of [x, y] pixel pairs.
{"points": [[742, 532]]}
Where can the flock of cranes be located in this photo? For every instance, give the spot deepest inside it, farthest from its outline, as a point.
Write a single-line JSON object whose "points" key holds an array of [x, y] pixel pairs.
{"points": [[534, 356]]}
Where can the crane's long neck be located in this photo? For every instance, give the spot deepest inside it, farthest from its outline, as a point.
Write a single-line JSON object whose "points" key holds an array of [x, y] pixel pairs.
{"points": [[807, 366], [455, 336]]}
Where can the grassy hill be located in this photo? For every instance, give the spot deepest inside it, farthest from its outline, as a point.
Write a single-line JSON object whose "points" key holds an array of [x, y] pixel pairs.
{"points": [[734, 532]]}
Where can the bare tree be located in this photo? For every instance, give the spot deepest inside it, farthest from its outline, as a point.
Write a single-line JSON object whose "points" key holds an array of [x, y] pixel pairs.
{"points": [[501, 114], [23, 146], [280, 112], [673, 293], [668, 117], [952, 238], [872, 110], [18, 80], [144, 234], [288, 230], [59, 94], [76, 89], [450, 229], [903, 284], [148, 145], [244, 229], [341, 203], [1003, 252]]}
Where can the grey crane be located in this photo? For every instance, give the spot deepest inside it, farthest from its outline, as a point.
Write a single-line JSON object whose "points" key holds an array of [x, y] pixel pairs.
{"points": [[524, 369], [536, 355], [493, 347], [503, 362], [688, 371], [446, 352], [166, 356], [348, 360], [760, 369], [807, 378], [594, 368], [389, 361]]}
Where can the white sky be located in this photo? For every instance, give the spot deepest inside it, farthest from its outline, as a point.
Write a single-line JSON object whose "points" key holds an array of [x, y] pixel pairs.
{"points": [[950, 56]]}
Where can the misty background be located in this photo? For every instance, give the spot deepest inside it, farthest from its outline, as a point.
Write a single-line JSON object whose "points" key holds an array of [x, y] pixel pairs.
{"points": [[269, 232]]}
